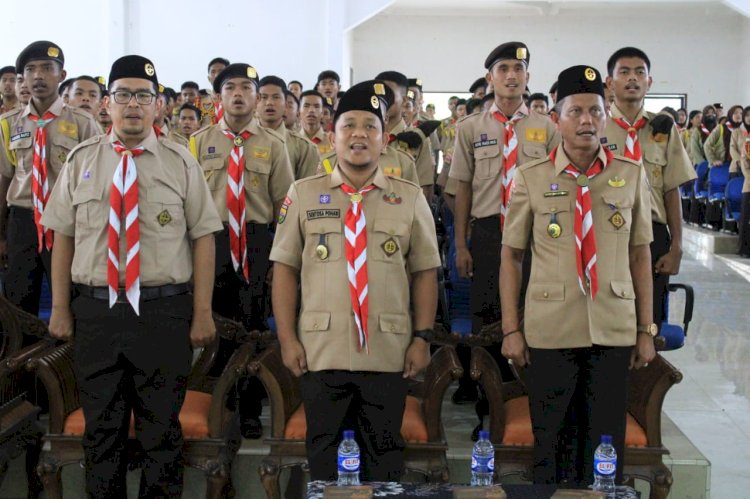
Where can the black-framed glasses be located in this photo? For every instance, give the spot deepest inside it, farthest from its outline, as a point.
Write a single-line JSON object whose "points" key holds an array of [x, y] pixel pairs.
{"points": [[123, 97]]}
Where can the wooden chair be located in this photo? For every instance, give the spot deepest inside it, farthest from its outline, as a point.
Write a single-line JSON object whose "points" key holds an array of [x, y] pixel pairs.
{"points": [[511, 432], [422, 430], [210, 429]]}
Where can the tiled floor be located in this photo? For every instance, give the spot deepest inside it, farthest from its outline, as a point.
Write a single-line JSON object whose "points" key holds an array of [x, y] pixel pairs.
{"points": [[711, 406]]}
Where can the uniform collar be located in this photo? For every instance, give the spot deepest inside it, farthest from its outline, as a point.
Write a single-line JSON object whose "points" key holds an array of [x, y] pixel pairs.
{"points": [[337, 178], [252, 126], [150, 143], [521, 109], [56, 108], [562, 161], [400, 127], [616, 113]]}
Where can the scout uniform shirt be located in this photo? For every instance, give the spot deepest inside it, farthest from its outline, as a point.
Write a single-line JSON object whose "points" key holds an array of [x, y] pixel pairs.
{"points": [[478, 155], [303, 154], [697, 139], [177, 137], [267, 175], [739, 146], [557, 313], [665, 160], [423, 156], [714, 148], [17, 105], [393, 163], [67, 130], [320, 139], [310, 238], [174, 208]]}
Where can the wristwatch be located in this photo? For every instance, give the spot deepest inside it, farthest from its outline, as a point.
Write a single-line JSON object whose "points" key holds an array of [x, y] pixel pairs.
{"points": [[650, 329], [426, 334]]}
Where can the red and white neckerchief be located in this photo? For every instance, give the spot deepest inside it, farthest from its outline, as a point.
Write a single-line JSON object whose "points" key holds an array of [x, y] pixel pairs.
{"points": [[391, 138], [705, 131], [729, 125], [236, 203], [355, 232], [218, 112], [39, 184], [124, 194], [510, 155], [584, 223], [632, 145]]}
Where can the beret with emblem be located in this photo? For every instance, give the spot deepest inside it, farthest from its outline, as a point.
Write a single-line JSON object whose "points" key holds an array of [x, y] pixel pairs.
{"points": [[368, 96], [478, 83], [579, 80], [133, 66], [394, 76], [415, 82], [236, 70], [40, 50], [509, 50]]}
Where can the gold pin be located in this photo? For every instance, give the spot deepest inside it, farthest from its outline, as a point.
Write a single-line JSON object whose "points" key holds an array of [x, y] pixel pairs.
{"points": [[521, 53], [390, 246], [617, 220], [53, 52], [149, 69], [251, 73], [379, 89], [554, 230], [322, 251], [582, 180], [238, 141], [590, 74], [616, 182], [355, 197], [375, 102]]}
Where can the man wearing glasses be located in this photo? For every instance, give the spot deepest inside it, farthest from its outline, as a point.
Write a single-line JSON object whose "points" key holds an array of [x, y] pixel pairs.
{"points": [[36, 139], [134, 222]]}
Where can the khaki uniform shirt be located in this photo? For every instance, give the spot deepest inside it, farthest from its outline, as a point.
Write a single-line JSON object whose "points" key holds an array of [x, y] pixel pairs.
{"points": [[478, 156], [557, 313], [66, 131], [393, 163], [434, 139], [303, 154], [422, 156], [696, 147], [713, 147], [267, 175], [665, 160], [320, 139], [174, 208], [400, 240], [4, 109], [739, 146], [177, 137]]}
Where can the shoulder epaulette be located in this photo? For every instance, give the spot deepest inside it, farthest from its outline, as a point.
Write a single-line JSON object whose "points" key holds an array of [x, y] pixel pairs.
{"points": [[88, 142]]}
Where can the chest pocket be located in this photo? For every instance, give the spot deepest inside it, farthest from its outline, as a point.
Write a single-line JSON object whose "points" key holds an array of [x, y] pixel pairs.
{"points": [[91, 208], [532, 151], [21, 148], [323, 241], [164, 211], [553, 212], [212, 173], [257, 168], [487, 161], [60, 146], [390, 241], [654, 161], [616, 215]]}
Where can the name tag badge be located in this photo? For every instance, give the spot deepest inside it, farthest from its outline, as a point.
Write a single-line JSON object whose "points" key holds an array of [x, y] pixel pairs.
{"points": [[19, 136], [555, 194], [485, 142], [323, 213]]}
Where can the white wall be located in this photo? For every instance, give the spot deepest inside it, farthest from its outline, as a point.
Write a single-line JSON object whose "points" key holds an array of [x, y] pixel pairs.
{"points": [[693, 50]]}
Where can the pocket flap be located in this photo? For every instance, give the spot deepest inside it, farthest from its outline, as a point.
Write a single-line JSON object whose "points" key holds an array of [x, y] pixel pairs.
{"points": [[391, 227], [549, 291], [535, 151], [617, 201], [315, 321], [87, 193], [324, 226], [394, 323], [485, 152], [623, 289], [163, 195], [556, 205], [24, 143], [64, 141]]}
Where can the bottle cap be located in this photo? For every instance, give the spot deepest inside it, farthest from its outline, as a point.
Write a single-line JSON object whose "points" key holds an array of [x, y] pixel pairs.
{"points": [[348, 434], [484, 435], [607, 439]]}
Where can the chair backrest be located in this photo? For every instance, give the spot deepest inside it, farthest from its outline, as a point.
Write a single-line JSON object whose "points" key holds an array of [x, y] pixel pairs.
{"points": [[701, 170], [718, 176], [733, 196]]}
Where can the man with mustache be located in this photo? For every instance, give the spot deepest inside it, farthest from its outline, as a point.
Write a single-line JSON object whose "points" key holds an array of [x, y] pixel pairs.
{"points": [[86, 95], [36, 140], [248, 172]]}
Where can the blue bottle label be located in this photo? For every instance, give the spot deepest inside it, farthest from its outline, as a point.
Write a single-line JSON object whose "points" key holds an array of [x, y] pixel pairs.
{"points": [[482, 464], [349, 463], [605, 468]]}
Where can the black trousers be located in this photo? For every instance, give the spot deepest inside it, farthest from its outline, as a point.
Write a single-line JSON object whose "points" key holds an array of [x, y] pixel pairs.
{"points": [[660, 247], [590, 386], [26, 266], [121, 367], [744, 226], [486, 242], [371, 404]]}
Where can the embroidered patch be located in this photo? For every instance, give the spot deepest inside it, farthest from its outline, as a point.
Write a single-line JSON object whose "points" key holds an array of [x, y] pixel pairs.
{"points": [[284, 207], [392, 171], [211, 150], [612, 147], [68, 129], [485, 143], [536, 135], [164, 218], [390, 246], [325, 199], [261, 153], [617, 220], [19, 136], [392, 198], [603, 140], [326, 213]]}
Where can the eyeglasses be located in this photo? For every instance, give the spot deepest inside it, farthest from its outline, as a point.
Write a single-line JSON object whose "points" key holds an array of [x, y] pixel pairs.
{"points": [[124, 96]]}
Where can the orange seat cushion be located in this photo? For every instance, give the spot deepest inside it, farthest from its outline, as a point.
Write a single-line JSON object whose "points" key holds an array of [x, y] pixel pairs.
{"points": [[413, 427], [518, 430], [193, 418]]}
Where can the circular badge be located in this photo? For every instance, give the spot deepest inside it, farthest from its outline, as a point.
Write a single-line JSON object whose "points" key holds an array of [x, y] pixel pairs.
{"points": [[149, 69], [238, 141], [554, 230], [322, 251], [582, 180], [356, 197], [590, 74], [375, 102]]}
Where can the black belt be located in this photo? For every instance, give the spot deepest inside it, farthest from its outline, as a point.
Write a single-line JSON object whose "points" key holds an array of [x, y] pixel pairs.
{"points": [[18, 210], [149, 293]]}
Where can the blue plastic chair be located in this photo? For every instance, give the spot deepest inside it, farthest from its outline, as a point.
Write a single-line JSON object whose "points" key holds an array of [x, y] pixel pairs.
{"points": [[674, 334], [733, 198], [718, 177]]}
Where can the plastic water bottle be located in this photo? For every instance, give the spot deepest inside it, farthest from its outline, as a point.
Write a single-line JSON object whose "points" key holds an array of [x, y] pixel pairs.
{"points": [[482, 461], [605, 466], [348, 460]]}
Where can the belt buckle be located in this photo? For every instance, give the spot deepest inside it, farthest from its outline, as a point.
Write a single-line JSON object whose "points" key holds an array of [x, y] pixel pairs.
{"points": [[122, 297]]}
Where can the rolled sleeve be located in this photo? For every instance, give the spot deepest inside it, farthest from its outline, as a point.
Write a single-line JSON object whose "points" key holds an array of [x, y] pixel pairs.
{"points": [[519, 218], [678, 169], [288, 242]]}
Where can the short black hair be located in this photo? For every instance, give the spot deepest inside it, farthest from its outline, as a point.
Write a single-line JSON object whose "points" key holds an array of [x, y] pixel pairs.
{"points": [[297, 82], [8, 69], [472, 104], [220, 60], [64, 85], [203, 92], [553, 88], [272, 80], [191, 107], [627, 52], [190, 84], [487, 97], [314, 93], [460, 102], [290, 94], [170, 93], [539, 96], [87, 78]]}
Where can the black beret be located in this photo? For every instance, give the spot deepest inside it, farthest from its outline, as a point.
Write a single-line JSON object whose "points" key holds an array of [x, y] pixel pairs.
{"points": [[415, 82], [236, 70], [579, 80], [41, 50], [553, 88], [273, 80], [366, 96], [328, 74], [389, 96], [509, 50], [538, 96], [219, 60], [479, 82], [8, 69], [133, 66], [394, 76]]}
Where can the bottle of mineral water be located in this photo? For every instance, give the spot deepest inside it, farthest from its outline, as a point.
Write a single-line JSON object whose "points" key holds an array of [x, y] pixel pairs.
{"points": [[482, 461], [348, 460], [605, 466]]}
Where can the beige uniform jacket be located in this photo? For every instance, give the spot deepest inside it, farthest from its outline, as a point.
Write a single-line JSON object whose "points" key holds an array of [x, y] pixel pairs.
{"points": [[303, 154], [400, 240], [714, 148], [320, 139], [177, 137], [664, 158], [393, 163], [697, 155], [17, 131], [739, 147], [267, 174], [478, 155], [422, 157], [174, 208], [557, 313]]}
